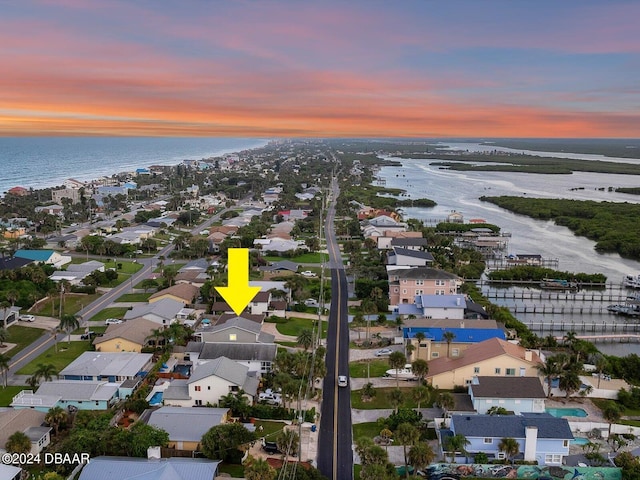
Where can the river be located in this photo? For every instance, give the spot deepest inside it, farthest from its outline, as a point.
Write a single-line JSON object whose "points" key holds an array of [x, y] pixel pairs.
{"points": [[460, 191]]}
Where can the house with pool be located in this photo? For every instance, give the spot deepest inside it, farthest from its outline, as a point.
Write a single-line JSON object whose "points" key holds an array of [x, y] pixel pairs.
{"points": [[515, 394], [541, 437], [114, 367]]}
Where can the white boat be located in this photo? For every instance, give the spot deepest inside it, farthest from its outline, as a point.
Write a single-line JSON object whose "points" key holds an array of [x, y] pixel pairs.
{"points": [[631, 281], [405, 373]]}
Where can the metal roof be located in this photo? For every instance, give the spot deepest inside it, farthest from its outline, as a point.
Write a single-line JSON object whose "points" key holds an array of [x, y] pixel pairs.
{"points": [[187, 424], [127, 468]]}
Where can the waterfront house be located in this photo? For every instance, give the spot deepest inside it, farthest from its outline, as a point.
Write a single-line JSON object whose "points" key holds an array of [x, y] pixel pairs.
{"points": [[384, 240], [494, 357], [128, 468], [435, 345], [410, 243], [186, 426], [409, 258], [28, 421], [406, 284], [542, 438], [515, 394], [210, 381]]}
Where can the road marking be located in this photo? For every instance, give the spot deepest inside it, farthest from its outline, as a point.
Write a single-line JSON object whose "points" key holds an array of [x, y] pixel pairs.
{"points": [[30, 352]]}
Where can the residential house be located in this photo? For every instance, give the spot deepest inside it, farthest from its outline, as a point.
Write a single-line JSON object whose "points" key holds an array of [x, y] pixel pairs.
{"points": [[282, 266], [515, 394], [384, 240], [48, 257], [279, 245], [406, 284], [436, 306], [130, 336], [235, 329], [110, 366], [162, 311], [180, 292], [72, 194], [260, 303], [210, 381], [455, 217], [129, 468], [83, 395], [386, 222], [542, 438], [9, 472], [28, 421], [435, 344], [411, 258], [493, 357], [293, 214], [186, 426], [13, 263], [259, 357], [410, 243]]}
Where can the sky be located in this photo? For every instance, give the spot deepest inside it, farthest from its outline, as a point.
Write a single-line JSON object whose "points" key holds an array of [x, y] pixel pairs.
{"points": [[320, 69]]}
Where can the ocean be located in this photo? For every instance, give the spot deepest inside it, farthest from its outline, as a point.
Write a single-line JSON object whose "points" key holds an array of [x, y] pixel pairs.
{"points": [[40, 162]]}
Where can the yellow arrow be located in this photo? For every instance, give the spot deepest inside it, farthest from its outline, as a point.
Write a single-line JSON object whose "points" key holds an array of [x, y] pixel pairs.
{"points": [[238, 294]]}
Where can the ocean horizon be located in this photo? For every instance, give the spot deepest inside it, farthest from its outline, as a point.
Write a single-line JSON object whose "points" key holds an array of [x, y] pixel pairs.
{"points": [[42, 162]]}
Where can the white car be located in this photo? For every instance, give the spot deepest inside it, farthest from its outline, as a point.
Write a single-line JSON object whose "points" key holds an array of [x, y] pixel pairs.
{"points": [[342, 381], [384, 351], [26, 318], [112, 321], [308, 273]]}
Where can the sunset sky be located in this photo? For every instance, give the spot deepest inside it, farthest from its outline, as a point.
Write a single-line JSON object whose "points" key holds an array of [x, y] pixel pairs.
{"points": [[300, 68]]}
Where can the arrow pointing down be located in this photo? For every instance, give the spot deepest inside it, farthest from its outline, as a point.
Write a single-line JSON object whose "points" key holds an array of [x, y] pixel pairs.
{"points": [[238, 294]]}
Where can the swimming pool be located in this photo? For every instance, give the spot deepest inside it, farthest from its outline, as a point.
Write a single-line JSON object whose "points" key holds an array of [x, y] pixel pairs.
{"points": [[580, 441], [566, 412], [156, 399]]}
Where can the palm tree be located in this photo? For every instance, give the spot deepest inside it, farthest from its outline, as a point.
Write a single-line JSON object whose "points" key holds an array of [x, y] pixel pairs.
{"points": [[549, 370], [420, 336], [396, 397], [56, 417], [69, 323], [18, 442], [45, 371], [456, 443], [421, 455], [397, 360], [386, 435], [305, 338], [407, 434], [156, 335], [446, 401], [368, 392], [448, 337], [409, 348], [420, 369], [569, 382], [4, 368], [510, 447], [612, 414], [4, 334], [601, 364], [420, 394], [259, 469], [288, 442]]}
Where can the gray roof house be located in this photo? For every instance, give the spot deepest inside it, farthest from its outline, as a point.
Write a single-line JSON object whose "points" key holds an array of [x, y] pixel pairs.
{"points": [[410, 243], [186, 426], [163, 311], [236, 330], [113, 367], [83, 395], [210, 381], [515, 394], [30, 422], [127, 468], [259, 357], [407, 257], [542, 437]]}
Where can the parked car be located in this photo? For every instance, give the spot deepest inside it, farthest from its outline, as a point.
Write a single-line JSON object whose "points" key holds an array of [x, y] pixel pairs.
{"points": [[308, 273], [270, 447], [112, 321], [342, 381], [26, 318], [270, 397], [384, 351], [311, 302], [88, 336]]}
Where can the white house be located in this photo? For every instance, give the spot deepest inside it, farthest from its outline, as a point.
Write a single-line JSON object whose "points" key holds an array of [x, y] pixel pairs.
{"points": [[515, 394]]}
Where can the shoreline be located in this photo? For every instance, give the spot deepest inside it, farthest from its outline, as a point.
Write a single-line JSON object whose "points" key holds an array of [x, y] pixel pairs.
{"points": [[90, 172]]}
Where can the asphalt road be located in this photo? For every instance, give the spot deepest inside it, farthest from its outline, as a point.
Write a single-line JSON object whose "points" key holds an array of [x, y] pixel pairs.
{"points": [[335, 454], [46, 341]]}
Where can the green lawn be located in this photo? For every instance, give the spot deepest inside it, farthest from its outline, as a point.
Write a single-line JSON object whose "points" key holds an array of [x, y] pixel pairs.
{"points": [[134, 297], [304, 258], [367, 429], [22, 337], [377, 368], [73, 303], [127, 267], [236, 471], [381, 399], [269, 428], [112, 312], [295, 325], [64, 356], [7, 394]]}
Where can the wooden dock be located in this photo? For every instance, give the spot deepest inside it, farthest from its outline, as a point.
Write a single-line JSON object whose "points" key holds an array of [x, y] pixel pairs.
{"points": [[622, 338], [595, 330]]}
